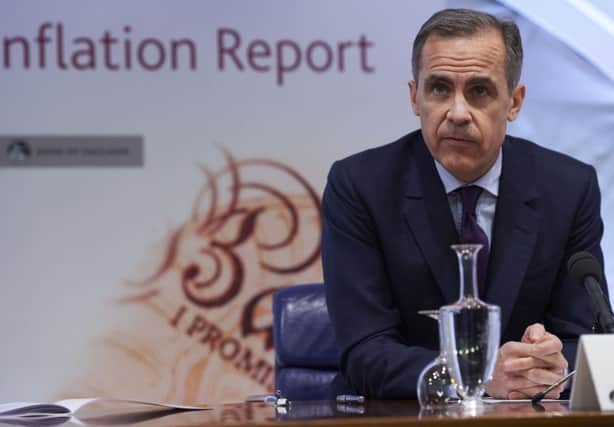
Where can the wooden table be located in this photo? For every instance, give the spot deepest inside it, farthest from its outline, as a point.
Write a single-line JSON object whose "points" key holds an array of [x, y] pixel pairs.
{"points": [[376, 413]]}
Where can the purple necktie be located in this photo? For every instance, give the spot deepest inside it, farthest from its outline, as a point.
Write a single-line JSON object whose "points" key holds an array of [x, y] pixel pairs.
{"points": [[471, 232]]}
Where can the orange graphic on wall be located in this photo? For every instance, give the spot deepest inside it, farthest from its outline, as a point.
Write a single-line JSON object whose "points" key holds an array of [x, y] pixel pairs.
{"points": [[198, 328]]}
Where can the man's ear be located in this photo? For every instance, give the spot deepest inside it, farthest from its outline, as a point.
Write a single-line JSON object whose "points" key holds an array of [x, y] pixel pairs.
{"points": [[413, 93], [516, 102]]}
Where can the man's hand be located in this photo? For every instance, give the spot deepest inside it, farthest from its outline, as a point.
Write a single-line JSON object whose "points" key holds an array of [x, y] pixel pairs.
{"points": [[528, 367]]}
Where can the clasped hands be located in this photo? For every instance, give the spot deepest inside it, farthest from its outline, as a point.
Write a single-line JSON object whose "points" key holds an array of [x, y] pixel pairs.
{"points": [[527, 367]]}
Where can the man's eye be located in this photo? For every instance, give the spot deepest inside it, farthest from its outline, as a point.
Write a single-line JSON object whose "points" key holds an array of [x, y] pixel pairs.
{"points": [[480, 90], [439, 89]]}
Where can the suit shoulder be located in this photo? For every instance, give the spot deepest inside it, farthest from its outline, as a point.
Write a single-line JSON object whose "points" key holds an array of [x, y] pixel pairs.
{"points": [[378, 159], [549, 161]]}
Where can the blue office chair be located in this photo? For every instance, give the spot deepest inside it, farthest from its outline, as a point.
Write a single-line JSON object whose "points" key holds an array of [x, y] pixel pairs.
{"points": [[306, 357]]}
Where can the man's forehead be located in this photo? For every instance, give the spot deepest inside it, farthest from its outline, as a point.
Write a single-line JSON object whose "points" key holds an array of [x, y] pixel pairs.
{"points": [[481, 53]]}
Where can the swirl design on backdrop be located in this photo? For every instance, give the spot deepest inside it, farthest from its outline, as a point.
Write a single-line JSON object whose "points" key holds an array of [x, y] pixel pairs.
{"points": [[205, 247], [200, 324]]}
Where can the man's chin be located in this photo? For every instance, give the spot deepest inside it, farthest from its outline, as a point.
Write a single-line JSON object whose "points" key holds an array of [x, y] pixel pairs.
{"points": [[462, 170]]}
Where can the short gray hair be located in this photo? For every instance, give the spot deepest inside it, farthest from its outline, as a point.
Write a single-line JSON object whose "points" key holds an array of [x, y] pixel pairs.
{"points": [[463, 23]]}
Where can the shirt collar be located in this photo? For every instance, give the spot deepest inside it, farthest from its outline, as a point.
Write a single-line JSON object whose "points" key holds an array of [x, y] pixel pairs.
{"points": [[489, 181]]}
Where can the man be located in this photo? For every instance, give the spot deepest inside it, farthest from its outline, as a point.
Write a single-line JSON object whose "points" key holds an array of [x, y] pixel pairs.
{"points": [[391, 214]]}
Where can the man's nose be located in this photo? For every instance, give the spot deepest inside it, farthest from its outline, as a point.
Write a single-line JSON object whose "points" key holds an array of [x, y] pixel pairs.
{"points": [[459, 112]]}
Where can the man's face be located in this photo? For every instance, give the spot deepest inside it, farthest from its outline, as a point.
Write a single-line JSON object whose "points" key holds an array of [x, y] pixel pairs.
{"points": [[464, 102]]}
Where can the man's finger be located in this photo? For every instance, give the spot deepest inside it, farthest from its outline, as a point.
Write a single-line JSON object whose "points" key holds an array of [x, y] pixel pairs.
{"points": [[519, 364], [543, 376], [513, 349], [533, 333], [540, 350], [554, 361], [514, 395], [555, 394], [517, 382], [550, 345], [533, 390]]}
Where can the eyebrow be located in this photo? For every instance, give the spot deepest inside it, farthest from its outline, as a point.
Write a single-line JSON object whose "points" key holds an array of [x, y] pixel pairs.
{"points": [[437, 78], [481, 80], [476, 80]]}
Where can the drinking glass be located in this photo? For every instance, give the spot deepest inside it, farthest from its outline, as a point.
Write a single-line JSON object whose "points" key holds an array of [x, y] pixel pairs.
{"points": [[435, 387]]}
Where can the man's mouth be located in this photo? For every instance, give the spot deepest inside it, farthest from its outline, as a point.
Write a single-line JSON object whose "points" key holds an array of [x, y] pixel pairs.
{"points": [[458, 140]]}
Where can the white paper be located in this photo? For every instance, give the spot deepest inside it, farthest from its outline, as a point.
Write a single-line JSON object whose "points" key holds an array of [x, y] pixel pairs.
{"points": [[69, 407], [493, 400]]}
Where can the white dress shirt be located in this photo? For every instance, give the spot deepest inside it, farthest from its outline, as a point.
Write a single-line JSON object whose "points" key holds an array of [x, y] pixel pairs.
{"points": [[487, 202]]}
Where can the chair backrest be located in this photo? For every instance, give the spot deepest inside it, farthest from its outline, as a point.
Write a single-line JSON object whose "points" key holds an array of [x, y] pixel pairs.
{"points": [[306, 356]]}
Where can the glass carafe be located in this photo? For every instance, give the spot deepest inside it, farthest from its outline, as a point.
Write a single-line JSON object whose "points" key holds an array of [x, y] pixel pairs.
{"points": [[470, 331]]}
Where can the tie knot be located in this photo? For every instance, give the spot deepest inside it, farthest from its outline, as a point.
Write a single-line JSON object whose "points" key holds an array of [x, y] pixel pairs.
{"points": [[469, 197]]}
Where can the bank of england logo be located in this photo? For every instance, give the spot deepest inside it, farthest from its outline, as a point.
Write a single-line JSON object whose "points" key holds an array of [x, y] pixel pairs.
{"points": [[18, 151]]}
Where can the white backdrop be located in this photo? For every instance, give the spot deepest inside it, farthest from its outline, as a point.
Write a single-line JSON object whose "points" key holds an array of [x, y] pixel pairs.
{"points": [[73, 240], [72, 237]]}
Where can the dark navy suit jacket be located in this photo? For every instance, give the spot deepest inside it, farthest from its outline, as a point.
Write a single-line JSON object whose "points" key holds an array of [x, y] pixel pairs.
{"points": [[387, 231]]}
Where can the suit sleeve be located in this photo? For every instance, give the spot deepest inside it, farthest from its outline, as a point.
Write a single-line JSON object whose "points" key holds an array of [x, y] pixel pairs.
{"points": [[374, 355], [569, 314]]}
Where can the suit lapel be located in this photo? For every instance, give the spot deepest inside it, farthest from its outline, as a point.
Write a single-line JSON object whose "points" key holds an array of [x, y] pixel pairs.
{"points": [[514, 229], [428, 215]]}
